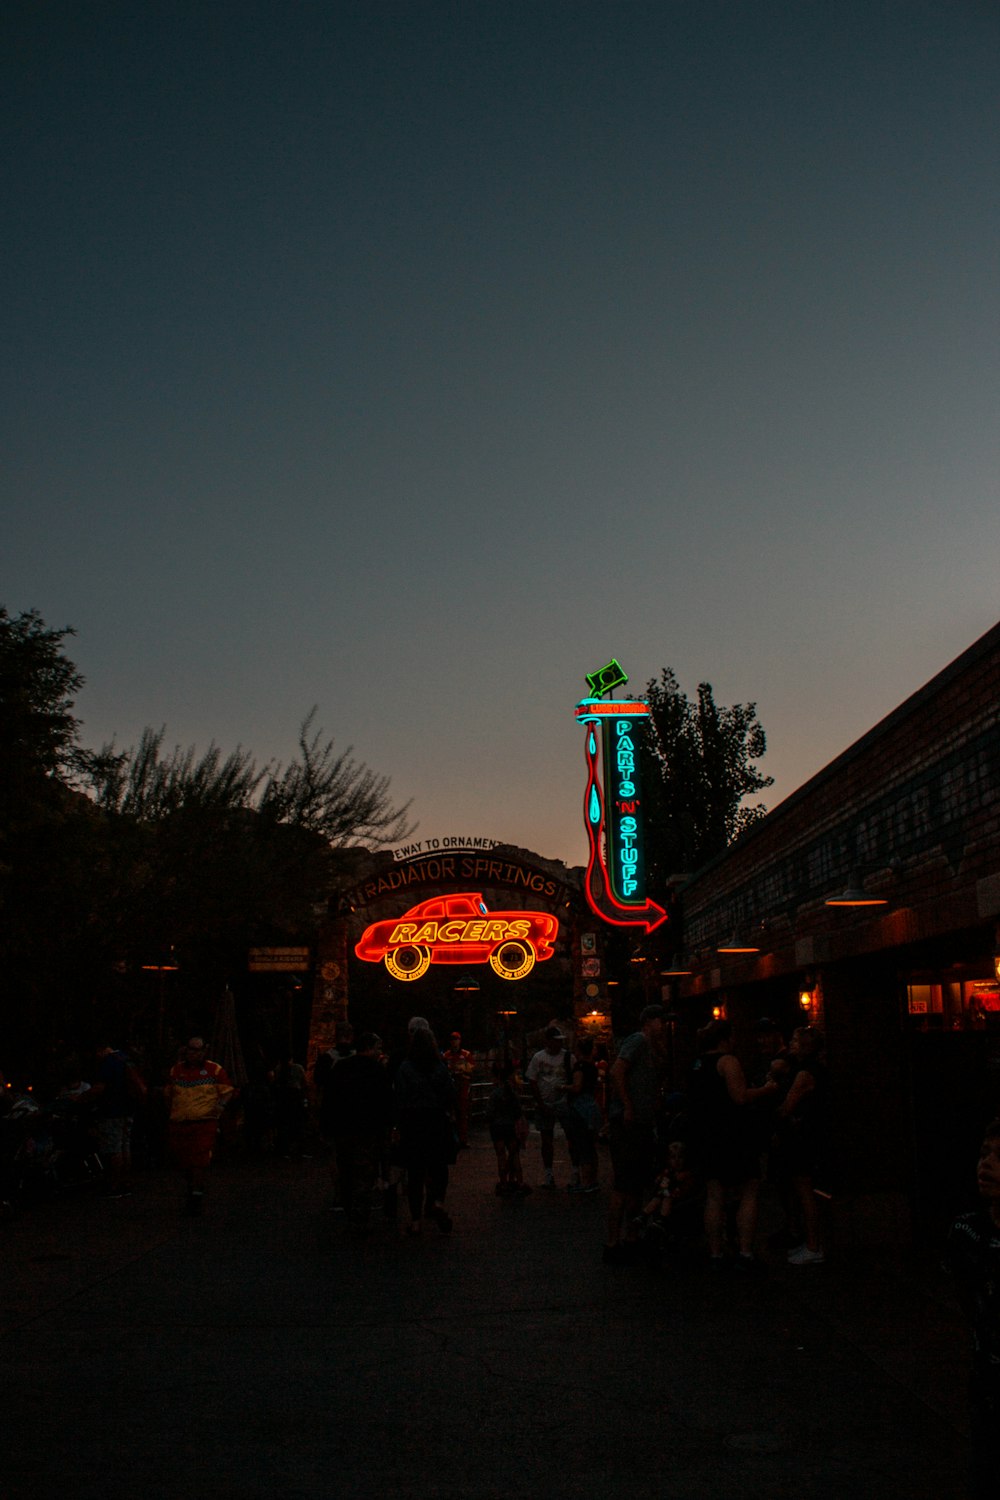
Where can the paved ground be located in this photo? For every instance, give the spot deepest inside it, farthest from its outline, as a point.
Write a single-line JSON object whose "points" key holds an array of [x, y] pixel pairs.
{"points": [[261, 1351]]}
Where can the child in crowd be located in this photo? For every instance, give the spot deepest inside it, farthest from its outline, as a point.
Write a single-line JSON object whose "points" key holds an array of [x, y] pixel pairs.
{"points": [[974, 1260], [674, 1184], [506, 1120]]}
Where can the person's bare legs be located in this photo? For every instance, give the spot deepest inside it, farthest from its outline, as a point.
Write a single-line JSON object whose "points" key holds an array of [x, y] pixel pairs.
{"points": [[746, 1215], [715, 1217], [810, 1211]]}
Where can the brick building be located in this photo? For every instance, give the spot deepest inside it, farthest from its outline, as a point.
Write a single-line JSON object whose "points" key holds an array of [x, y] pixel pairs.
{"points": [[906, 991]]}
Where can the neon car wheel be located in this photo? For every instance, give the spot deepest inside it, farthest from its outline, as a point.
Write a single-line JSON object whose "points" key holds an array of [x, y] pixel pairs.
{"points": [[512, 960], [409, 962]]}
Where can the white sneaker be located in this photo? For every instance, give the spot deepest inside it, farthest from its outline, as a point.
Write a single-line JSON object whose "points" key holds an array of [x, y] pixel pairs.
{"points": [[803, 1256]]}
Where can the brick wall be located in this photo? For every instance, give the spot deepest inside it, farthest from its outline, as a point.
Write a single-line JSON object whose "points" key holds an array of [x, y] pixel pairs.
{"points": [[912, 809]]}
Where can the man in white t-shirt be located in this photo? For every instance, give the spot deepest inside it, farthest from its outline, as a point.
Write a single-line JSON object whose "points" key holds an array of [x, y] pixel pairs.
{"points": [[548, 1075]]}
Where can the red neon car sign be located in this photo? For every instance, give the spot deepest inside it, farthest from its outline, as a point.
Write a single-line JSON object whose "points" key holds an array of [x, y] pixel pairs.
{"points": [[459, 930]]}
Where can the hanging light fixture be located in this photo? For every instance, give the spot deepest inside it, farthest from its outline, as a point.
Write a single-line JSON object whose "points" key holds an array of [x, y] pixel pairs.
{"points": [[737, 944], [855, 895], [676, 968]]}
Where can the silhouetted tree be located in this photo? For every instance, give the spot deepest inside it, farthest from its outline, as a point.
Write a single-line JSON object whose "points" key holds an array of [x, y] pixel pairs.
{"points": [[212, 855], [39, 735], [51, 842], [108, 860], [698, 769], [322, 792]]}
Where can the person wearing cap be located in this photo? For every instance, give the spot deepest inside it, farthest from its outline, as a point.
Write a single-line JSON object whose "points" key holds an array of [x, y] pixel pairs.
{"points": [[634, 1095], [548, 1075], [460, 1063]]}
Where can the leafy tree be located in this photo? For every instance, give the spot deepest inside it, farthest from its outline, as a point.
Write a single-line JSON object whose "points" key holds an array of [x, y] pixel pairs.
{"points": [[38, 732], [333, 795], [212, 854], [50, 839], [322, 792], [698, 769], [108, 860]]}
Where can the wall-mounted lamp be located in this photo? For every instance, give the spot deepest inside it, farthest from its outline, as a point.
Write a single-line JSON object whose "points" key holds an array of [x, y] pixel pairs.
{"points": [[718, 1012], [855, 895], [806, 1000]]}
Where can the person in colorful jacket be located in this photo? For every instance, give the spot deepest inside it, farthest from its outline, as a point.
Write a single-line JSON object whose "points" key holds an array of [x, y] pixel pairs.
{"points": [[197, 1092]]}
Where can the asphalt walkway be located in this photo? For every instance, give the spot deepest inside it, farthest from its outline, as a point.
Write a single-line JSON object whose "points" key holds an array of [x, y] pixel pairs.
{"points": [[262, 1351]]}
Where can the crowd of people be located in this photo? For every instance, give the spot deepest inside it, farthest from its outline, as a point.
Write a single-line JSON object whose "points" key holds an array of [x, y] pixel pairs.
{"points": [[687, 1163], [394, 1121]]}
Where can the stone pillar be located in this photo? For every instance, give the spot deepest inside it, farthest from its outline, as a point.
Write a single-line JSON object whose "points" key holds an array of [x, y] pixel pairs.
{"points": [[329, 1003]]}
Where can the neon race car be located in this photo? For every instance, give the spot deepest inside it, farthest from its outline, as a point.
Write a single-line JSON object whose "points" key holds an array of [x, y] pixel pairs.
{"points": [[459, 930]]}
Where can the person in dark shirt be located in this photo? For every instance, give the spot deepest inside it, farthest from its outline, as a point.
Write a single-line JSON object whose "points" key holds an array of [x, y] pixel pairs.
{"points": [[507, 1122], [727, 1150], [801, 1143], [632, 1131], [358, 1101], [115, 1106], [584, 1115], [323, 1070], [973, 1257], [425, 1101]]}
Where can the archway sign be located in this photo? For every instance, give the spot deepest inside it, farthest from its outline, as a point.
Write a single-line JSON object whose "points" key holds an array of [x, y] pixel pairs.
{"points": [[615, 886]]}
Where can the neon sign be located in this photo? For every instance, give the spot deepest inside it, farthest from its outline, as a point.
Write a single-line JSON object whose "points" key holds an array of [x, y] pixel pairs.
{"points": [[616, 877], [459, 929], [607, 679], [626, 865]]}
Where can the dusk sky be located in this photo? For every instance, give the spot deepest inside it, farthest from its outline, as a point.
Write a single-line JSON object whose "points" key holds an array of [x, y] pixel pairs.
{"points": [[413, 359]]}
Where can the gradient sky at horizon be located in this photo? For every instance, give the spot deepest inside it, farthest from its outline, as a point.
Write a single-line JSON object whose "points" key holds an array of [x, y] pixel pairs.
{"points": [[413, 359]]}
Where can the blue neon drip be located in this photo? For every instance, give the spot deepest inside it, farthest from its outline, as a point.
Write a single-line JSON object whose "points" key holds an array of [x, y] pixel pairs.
{"points": [[593, 743], [595, 806]]}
